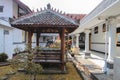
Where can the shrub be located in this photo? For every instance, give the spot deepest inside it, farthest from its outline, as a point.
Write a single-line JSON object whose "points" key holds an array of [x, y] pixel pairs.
{"points": [[3, 57]]}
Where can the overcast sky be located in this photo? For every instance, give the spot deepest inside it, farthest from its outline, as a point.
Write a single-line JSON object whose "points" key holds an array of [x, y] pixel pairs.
{"points": [[68, 6]]}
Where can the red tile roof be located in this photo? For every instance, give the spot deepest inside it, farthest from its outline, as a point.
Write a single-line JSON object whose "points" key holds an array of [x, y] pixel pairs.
{"points": [[76, 16]]}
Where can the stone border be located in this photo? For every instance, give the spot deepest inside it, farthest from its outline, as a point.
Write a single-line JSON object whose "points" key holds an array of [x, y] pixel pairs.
{"points": [[4, 64], [84, 72]]}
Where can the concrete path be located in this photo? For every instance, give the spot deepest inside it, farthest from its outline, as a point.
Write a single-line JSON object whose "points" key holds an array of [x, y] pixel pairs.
{"points": [[89, 68]]}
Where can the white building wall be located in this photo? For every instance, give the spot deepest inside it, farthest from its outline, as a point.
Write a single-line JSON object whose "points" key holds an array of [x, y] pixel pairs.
{"points": [[17, 35], [98, 39], [10, 8], [7, 9], [6, 41], [17, 39], [15, 10], [9, 43], [14, 39], [118, 47], [118, 51], [1, 40]]}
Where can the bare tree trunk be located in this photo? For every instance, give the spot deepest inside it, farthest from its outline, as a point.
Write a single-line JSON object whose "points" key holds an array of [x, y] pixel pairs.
{"points": [[34, 77]]}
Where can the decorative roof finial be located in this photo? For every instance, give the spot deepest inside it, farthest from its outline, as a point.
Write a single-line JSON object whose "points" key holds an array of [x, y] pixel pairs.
{"points": [[48, 6]]}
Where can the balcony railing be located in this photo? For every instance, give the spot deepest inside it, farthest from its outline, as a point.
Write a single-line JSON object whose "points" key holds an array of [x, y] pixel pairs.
{"points": [[102, 6]]}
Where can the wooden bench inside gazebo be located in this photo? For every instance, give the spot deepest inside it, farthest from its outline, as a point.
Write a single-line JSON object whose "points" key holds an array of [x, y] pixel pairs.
{"points": [[47, 21]]}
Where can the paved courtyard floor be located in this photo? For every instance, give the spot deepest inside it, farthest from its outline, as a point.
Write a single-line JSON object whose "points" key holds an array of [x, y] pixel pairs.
{"points": [[91, 67]]}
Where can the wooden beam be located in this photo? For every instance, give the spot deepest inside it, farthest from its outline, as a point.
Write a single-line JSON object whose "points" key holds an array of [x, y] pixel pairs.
{"points": [[62, 47], [44, 27], [30, 38], [37, 38]]}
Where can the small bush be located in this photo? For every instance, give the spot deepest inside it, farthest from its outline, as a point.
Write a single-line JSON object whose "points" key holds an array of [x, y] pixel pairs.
{"points": [[3, 57]]}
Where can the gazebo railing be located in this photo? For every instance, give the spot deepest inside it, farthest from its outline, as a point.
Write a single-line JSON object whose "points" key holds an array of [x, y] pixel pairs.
{"points": [[51, 56]]}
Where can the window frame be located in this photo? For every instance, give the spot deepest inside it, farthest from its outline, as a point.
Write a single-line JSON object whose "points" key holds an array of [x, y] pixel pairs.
{"points": [[104, 27], [6, 32], [118, 37], [96, 30], [1, 8]]}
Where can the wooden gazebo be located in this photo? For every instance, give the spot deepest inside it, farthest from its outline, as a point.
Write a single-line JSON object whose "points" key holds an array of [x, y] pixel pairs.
{"points": [[47, 21]]}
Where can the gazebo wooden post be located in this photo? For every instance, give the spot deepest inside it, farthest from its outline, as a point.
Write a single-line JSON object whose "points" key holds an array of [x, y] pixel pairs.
{"points": [[29, 38], [62, 48], [37, 39]]}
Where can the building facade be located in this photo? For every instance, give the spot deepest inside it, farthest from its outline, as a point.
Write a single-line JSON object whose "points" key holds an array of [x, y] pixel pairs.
{"points": [[10, 37], [101, 27]]}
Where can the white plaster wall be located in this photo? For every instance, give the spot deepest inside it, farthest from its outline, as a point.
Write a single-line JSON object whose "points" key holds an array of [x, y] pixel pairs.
{"points": [[118, 51], [98, 47], [6, 41], [118, 48], [1, 40], [17, 35], [17, 39], [34, 37], [21, 46], [98, 40], [15, 9], [34, 40], [8, 8], [9, 44]]}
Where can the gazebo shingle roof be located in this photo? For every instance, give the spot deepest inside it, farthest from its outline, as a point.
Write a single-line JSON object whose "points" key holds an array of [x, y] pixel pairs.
{"points": [[47, 18]]}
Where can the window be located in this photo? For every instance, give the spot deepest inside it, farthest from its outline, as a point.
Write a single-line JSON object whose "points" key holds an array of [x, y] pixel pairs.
{"points": [[21, 12], [104, 27], [96, 30], [6, 32], [1, 8], [118, 36]]}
